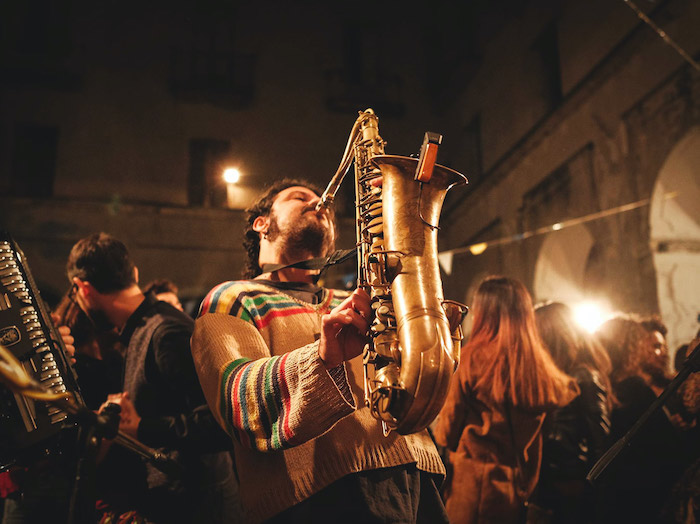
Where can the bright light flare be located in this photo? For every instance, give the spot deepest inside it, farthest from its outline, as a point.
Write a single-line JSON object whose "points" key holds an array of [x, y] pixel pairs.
{"points": [[231, 175], [590, 315]]}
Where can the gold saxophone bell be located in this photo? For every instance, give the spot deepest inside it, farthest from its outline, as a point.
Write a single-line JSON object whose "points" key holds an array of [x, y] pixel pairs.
{"points": [[416, 335]]}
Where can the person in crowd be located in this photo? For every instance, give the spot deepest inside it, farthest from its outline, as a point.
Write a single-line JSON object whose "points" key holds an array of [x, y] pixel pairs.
{"points": [[277, 356], [684, 503], [576, 435], [657, 363], [644, 473], [99, 356], [162, 404], [164, 290], [491, 422]]}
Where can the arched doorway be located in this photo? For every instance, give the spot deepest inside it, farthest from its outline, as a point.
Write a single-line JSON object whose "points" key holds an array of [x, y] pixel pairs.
{"points": [[561, 266], [675, 239]]}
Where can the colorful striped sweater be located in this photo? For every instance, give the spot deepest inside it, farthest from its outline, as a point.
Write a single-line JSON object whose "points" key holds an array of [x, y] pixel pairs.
{"points": [[297, 426]]}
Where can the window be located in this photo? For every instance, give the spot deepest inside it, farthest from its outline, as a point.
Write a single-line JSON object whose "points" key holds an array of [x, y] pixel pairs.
{"points": [[205, 186], [205, 65], [546, 46], [363, 79]]}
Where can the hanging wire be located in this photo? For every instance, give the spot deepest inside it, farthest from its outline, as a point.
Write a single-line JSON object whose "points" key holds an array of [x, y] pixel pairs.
{"points": [[480, 247], [664, 36]]}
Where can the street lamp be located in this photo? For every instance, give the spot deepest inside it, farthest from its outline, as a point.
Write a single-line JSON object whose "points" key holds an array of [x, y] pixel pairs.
{"points": [[231, 176]]}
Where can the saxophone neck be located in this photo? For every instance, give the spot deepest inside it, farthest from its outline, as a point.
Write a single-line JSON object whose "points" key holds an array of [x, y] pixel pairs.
{"points": [[365, 131], [369, 126]]}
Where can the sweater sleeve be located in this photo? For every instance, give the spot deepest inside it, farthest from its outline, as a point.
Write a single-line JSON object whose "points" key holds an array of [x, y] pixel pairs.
{"points": [[265, 402]]}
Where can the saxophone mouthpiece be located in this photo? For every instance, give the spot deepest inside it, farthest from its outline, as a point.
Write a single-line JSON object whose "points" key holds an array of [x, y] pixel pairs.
{"points": [[325, 202]]}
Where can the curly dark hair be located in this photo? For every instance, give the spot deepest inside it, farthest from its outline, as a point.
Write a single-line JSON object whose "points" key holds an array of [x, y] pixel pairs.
{"points": [[654, 323], [262, 207], [625, 339]]}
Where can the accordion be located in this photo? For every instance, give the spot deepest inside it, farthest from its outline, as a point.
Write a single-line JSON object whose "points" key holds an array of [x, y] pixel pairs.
{"points": [[30, 428]]}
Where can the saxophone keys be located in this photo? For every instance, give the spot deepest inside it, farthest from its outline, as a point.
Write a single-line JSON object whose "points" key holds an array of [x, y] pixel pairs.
{"points": [[378, 327], [375, 226], [374, 210], [376, 244], [384, 312]]}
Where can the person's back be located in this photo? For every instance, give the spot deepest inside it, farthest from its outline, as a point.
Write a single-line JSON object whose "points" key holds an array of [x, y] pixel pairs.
{"points": [[576, 435], [162, 404], [492, 419]]}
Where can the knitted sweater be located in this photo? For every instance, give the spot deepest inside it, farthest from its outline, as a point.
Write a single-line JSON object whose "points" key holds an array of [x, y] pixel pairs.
{"points": [[297, 427]]}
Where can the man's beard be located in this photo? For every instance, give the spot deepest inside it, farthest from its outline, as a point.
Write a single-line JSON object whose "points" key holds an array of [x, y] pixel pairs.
{"points": [[304, 238], [99, 320], [657, 370]]}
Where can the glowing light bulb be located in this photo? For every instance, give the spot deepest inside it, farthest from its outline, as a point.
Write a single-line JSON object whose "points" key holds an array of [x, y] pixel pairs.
{"points": [[231, 175], [590, 315], [478, 249]]}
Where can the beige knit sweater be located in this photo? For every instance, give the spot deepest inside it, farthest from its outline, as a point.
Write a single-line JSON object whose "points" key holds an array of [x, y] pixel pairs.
{"points": [[296, 427]]}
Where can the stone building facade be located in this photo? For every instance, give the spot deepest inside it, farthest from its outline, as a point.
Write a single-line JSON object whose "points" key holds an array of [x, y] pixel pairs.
{"points": [[121, 117], [620, 126]]}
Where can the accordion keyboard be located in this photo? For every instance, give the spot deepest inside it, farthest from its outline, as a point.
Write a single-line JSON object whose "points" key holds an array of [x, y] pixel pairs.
{"points": [[26, 331]]}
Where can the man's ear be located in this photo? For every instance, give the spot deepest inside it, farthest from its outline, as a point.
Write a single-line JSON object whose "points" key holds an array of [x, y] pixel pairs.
{"points": [[261, 224], [136, 275], [84, 286]]}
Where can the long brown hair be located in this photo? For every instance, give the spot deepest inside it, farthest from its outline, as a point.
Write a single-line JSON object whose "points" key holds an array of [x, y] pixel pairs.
{"points": [[570, 346], [505, 357]]}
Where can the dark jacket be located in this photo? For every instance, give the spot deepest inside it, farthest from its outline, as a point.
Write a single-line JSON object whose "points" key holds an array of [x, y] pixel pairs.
{"points": [[640, 479], [575, 436], [160, 377]]}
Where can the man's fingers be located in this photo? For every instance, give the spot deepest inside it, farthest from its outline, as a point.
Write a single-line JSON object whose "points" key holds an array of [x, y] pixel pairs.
{"points": [[361, 304], [346, 318]]}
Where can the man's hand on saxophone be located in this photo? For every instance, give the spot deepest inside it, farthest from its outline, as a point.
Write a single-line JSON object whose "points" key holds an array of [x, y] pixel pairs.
{"points": [[344, 330]]}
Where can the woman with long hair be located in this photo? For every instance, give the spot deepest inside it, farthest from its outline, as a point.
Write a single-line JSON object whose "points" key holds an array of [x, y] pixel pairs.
{"points": [[576, 435], [492, 419]]}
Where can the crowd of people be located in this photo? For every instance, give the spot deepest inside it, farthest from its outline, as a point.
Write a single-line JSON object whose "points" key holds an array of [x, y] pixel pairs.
{"points": [[260, 400]]}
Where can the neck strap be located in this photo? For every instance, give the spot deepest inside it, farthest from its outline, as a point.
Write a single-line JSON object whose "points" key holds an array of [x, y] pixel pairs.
{"points": [[321, 263]]}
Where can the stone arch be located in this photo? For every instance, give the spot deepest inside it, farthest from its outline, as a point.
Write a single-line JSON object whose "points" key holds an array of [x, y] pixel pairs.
{"points": [[560, 269], [675, 239]]}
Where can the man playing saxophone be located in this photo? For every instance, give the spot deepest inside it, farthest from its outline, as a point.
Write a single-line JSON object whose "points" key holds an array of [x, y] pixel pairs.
{"points": [[278, 360]]}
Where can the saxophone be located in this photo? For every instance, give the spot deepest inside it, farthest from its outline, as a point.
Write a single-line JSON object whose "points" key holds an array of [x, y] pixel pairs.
{"points": [[415, 336]]}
